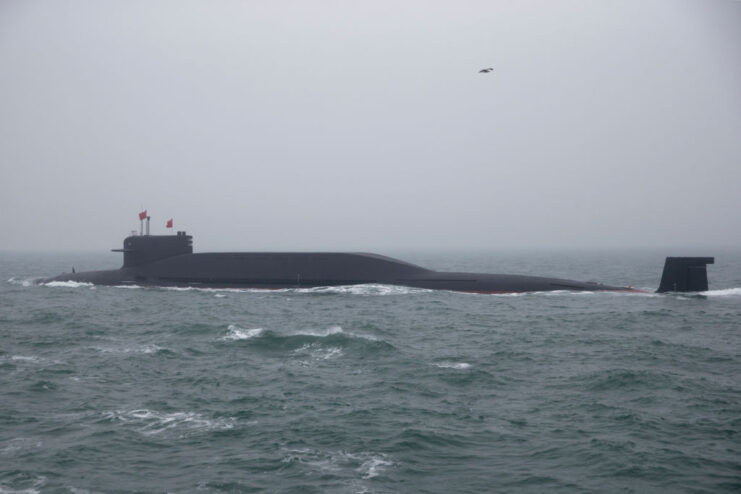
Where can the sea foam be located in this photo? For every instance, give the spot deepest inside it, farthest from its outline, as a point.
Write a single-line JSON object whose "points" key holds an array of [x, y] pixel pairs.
{"points": [[368, 289], [23, 281], [68, 284], [317, 352], [146, 349], [237, 333], [330, 331], [453, 365], [151, 422], [367, 464], [322, 333], [727, 292]]}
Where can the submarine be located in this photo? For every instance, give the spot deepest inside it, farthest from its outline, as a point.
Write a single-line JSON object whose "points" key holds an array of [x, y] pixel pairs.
{"points": [[169, 260]]}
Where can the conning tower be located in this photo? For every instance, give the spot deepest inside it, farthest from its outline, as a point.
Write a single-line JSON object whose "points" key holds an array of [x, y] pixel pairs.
{"points": [[143, 249]]}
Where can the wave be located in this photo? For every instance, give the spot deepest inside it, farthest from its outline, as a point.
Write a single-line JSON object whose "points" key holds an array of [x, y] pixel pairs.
{"points": [[372, 289], [237, 333], [320, 333], [24, 358], [332, 331], [306, 347], [30, 484], [720, 293], [29, 359], [726, 292], [26, 282], [367, 289], [13, 446], [218, 292], [365, 464], [317, 352], [640, 292], [146, 349], [69, 284], [23, 281], [453, 365], [204, 289], [150, 422], [374, 466]]}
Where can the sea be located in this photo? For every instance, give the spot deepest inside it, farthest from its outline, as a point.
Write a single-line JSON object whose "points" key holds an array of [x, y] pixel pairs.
{"points": [[373, 388]]}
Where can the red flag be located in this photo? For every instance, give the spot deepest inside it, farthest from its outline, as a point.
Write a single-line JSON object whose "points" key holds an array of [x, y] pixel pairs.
{"points": [[143, 215], [169, 223]]}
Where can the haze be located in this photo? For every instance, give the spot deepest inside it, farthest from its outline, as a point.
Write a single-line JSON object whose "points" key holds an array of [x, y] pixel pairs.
{"points": [[367, 125]]}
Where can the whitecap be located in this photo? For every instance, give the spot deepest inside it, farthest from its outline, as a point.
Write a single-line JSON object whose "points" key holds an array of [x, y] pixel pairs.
{"points": [[512, 294], [632, 292], [146, 349], [75, 490], [237, 333], [317, 352], [150, 422], [332, 330], [374, 466], [641, 292], [727, 292], [24, 358], [68, 284], [453, 365], [367, 289], [320, 333], [329, 353], [23, 281], [31, 359], [367, 464], [207, 289]]}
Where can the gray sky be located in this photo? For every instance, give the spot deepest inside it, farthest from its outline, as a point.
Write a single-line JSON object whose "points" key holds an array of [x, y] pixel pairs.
{"points": [[366, 125]]}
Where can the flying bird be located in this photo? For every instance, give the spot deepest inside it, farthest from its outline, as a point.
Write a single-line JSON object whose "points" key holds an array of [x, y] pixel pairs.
{"points": [[486, 71]]}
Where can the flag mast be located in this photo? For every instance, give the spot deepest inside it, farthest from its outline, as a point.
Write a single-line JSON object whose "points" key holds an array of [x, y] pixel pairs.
{"points": [[143, 215]]}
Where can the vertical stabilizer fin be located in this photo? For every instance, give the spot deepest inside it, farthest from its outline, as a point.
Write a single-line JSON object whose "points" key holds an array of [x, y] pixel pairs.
{"points": [[685, 274]]}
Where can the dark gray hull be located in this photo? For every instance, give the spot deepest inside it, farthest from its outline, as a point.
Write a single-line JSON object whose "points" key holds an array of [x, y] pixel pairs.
{"points": [[293, 270], [168, 260]]}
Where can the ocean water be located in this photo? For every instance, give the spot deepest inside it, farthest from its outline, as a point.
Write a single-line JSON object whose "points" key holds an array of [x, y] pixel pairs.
{"points": [[372, 389]]}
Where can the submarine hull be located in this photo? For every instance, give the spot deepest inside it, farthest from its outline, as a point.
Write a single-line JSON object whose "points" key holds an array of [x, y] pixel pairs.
{"points": [[168, 260], [295, 270]]}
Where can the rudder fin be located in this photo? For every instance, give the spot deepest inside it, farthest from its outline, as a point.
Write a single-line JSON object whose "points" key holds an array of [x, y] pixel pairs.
{"points": [[685, 274]]}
